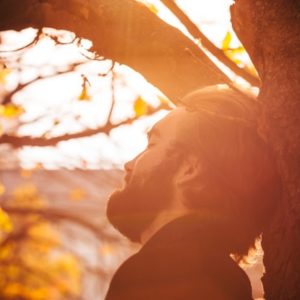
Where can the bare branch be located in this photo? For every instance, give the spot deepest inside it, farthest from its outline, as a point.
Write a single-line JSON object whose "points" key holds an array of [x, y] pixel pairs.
{"points": [[113, 97], [20, 141], [33, 42], [218, 53], [8, 97], [57, 215], [17, 235], [124, 31]]}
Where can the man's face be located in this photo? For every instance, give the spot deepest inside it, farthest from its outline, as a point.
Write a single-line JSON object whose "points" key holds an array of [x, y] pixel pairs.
{"points": [[149, 181]]}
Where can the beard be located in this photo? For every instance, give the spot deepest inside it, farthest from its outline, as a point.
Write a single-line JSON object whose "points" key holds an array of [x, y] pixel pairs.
{"points": [[132, 209]]}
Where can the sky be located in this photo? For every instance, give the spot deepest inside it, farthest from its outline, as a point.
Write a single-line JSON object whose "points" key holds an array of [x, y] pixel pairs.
{"points": [[57, 98]]}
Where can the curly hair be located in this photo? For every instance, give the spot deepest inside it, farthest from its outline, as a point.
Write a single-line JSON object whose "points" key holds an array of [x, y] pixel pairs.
{"points": [[240, 177]]}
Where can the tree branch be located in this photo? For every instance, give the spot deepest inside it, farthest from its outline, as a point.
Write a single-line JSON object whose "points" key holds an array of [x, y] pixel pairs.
{"points": [[21, 141], [8, 97], [33, 42], [124, 31], [56, 214], [218, 53]]}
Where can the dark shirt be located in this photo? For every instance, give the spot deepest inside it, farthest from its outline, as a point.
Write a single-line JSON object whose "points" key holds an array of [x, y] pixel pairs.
{"points": [[185, 260]]}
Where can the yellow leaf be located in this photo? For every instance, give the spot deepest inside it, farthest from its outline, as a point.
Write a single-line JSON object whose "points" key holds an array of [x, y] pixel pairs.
{"points": [[4, 72], [84, 95], [77, 194], [25, 191], [5, 222], [38, 166], [11, 110], [140, 107], [2, 189], [42, 230], [36, 293], [233, 56], [5, 251], [26, 173], [153, 8], [12, 289], [150, 5], [226, 41], [238, 50]]}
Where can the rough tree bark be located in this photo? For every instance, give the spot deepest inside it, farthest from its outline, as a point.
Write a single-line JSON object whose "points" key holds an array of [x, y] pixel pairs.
{"points": [[270, 31], [128, 33]]}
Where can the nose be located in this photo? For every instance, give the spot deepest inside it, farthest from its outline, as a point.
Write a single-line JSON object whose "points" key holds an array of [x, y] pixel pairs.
{"points": [[129, 165]]}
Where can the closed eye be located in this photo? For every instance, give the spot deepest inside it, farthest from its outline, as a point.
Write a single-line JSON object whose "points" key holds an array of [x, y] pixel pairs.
{"points": [[151, 145]]}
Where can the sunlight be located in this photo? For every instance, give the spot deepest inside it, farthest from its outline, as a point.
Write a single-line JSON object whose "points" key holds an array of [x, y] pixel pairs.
{"points": [[57, 98], [70, 119]]}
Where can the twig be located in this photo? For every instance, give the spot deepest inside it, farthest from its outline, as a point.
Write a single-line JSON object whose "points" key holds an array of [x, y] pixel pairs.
{"points": [[197, 34], [20, 141], [56, 214], [113, 94], [8, 97], [33, 42]]}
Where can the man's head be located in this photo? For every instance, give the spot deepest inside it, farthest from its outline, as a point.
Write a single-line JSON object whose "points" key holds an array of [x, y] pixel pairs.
{"points": [[149, 182], [208, 156]]}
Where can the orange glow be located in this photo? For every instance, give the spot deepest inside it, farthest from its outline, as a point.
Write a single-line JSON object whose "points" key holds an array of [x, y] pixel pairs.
{"points": [[60, 94]]}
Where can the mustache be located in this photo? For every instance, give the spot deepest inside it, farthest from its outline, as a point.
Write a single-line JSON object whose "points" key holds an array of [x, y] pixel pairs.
{"points": [[127, 177]]}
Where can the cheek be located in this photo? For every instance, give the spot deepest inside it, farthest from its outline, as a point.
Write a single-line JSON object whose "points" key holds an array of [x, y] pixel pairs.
{"points": [[149, 161]]}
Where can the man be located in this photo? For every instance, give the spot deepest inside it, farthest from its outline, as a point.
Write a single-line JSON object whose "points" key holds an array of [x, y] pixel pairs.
{"points": [[203, 189]]}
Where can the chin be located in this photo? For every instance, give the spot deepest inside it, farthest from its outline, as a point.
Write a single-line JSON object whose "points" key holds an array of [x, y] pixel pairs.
{"points": [[125, 213], [132, 209]]}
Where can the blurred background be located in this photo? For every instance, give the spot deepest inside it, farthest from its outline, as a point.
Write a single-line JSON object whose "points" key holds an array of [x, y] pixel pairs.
{"points": [[68, 122]]}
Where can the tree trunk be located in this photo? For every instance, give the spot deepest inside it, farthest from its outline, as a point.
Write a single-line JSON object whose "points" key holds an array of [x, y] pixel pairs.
{"points": [[270, 31]]}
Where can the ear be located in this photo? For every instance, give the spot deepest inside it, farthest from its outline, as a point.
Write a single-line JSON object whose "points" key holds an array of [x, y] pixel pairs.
{"points": [[190, 169]]}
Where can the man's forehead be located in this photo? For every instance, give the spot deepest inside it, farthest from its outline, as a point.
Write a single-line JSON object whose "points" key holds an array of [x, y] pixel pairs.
{"points": [[169, 124]]}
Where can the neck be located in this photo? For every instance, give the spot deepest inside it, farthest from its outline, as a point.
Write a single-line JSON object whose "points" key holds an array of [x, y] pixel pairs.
{"points": [[167, 216], [161, 220]]}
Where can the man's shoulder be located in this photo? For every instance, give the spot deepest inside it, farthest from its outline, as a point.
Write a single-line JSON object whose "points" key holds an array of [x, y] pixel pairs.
{"points": [[181, 262], [179, 276]]}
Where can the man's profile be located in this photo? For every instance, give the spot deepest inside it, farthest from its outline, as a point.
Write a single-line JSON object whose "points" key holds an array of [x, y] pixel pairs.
{"points": [[203, 189]]}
